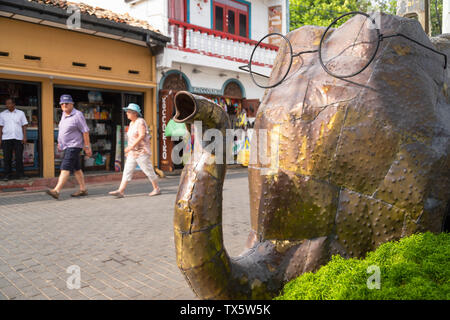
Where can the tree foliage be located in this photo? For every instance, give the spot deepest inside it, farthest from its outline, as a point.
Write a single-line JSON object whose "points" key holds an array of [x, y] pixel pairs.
{"points": [[387, 6], [436, 17], [322, 12]]}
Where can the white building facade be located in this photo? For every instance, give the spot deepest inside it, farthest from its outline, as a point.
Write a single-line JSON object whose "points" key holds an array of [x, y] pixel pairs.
{"points": [[446, 16], [210, 39]]}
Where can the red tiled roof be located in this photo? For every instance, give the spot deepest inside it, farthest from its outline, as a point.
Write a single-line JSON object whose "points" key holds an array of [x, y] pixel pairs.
{"points": [[99, 13]]}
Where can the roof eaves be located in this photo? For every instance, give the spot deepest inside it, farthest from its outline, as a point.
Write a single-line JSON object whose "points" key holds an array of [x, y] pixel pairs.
{"points": [[90, 22]]}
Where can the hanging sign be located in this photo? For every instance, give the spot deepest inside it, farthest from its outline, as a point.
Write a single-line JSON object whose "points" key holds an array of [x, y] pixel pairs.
{"points": [[165, 144], [275, 23], [211, 91]]}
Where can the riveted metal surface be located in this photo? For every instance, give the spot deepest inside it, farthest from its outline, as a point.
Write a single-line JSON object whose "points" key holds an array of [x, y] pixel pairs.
{"points": [[307, 257], [210, 240], [364, 153], [406, 184], [197, 199], [363, 222], [256, 186], [305, 209], [315, 139], [210, 280]]}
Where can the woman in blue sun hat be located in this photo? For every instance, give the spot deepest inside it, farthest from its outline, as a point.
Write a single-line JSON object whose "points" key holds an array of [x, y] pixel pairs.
{"points": [[138, 152]]}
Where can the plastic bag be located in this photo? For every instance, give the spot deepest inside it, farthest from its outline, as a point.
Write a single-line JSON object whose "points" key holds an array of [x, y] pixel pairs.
{"points": [[174, 129]]}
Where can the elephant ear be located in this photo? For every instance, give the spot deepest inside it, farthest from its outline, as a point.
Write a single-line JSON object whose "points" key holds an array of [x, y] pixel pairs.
{"points": [[364, 160], [303, 118]]}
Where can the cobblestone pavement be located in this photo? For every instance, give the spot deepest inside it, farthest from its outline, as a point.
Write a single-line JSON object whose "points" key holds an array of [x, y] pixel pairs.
{"points": [[124, 247]]}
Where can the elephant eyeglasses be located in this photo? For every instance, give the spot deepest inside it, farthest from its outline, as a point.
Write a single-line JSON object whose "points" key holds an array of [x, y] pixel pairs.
{"points": [[343, 59]]}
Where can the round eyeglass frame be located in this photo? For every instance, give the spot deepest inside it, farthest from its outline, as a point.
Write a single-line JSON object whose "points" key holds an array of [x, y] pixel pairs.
{"points": [[379, 39], [253, 52]]}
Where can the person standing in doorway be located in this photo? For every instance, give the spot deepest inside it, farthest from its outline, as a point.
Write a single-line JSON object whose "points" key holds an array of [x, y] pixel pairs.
{"points": [[13, 136], [138, 152], [73, 133]]}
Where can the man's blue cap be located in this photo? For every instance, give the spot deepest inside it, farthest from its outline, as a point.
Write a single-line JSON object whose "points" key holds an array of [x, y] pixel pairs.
{"points": [[65, 98], [133, 107]]}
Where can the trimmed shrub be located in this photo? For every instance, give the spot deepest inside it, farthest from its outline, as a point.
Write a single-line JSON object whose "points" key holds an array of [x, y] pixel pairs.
{"points": [[415, 267]]}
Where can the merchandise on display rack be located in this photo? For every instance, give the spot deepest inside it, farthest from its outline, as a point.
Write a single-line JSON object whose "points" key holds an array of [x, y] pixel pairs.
{"points": [[240, 110], [26, 98], [118, 165], [105, 118], [99, 119]]}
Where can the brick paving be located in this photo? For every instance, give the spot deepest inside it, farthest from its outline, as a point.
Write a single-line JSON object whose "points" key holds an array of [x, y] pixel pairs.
{"points": [[123, 247]]}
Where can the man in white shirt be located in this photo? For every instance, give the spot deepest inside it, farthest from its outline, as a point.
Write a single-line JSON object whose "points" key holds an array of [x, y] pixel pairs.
{"points": [[13, 135]]}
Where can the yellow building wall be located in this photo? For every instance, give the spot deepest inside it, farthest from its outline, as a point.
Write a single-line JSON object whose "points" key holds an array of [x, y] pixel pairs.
{"points": [[58, 48]]}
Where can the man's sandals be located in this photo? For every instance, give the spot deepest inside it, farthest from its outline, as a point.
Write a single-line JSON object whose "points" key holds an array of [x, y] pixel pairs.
{"points": [[80, 193], [53, 193]]}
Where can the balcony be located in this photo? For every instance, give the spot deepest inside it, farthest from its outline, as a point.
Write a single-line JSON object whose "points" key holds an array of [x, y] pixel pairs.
{"points": [[195, 39]]}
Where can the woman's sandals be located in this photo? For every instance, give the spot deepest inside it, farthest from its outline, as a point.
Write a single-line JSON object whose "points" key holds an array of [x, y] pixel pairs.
{"points": [[155, 192], [116, 194]]}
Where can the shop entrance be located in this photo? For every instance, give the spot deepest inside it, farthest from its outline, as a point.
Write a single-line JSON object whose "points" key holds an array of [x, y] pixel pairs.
{"points": [[27, 98], [232, 102], [232, 99], [107, 122]]}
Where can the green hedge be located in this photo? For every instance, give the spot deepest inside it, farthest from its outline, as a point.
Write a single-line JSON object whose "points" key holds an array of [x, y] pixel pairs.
{"points": [[416, 267]]}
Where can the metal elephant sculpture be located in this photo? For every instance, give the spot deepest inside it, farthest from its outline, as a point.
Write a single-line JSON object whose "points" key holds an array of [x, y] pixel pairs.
{"points": [[360, 161]]}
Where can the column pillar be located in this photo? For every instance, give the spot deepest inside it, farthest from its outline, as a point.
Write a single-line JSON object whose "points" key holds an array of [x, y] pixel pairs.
{"points": [[48, 156], [416, 9], [150, 118]]}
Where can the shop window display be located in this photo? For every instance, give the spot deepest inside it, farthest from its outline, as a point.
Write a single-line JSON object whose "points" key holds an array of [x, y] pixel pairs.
{"points": [[107, 126], [232, 102], [27, 99], [240, 111]]}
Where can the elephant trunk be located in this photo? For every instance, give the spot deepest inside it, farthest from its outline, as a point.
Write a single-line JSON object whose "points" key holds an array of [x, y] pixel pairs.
{"points": [[201, 256]]}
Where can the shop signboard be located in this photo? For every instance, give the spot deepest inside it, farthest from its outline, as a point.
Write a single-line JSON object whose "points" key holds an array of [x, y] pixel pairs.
{"points": [[166, 109], [275, 23], [210, 91]]}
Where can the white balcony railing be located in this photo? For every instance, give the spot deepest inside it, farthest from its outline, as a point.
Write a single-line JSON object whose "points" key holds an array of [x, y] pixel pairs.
{"points": [[209, 42]]}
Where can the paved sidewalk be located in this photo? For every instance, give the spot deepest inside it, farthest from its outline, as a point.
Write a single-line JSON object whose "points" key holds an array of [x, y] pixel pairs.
{"points": [[124, 247]]}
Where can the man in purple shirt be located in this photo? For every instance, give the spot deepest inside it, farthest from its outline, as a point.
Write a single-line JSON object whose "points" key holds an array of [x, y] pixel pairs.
{"points": [[73, 134]]}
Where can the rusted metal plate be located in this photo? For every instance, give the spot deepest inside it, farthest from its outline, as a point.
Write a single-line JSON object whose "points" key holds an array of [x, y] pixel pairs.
{"points": [[304, 210]]}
